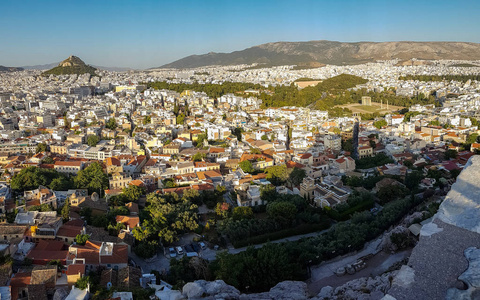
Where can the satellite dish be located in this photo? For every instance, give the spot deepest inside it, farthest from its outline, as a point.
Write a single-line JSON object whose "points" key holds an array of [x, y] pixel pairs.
{"points": [[109, 285]]}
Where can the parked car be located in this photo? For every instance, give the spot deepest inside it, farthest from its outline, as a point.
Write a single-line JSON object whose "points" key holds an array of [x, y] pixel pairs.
{"points": [[202, 245], [195, 247], [189, 248], [172, 252], [179, 250]]}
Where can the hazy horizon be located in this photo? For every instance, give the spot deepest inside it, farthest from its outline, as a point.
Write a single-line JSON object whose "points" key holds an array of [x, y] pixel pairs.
{"points": [[147, 34]]}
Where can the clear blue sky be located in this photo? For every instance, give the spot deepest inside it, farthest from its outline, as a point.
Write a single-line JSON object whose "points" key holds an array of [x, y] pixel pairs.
{"points": [[144, 34]]}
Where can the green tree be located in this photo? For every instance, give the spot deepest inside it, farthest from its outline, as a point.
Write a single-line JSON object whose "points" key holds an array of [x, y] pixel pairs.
{"points": [[278, 174], [246, 166], [65, 212], [180, 119], [92, 178], [392, 192], [42, 147], [472, 138], [282, 211], [168, 216], [81, 239], [147, 120], [92, 140], [31, 177], [450, 153], [268, 193], [242, 212], [222, 210], [380, 123], [111, 124], [132, 193], [61, 183], [238, 133], [199, 156], [48, 160], [264, 137], [146, 249], [347, 145], [169, 183], [266, 267], [296, 176], [83, 282], [412, 180]]}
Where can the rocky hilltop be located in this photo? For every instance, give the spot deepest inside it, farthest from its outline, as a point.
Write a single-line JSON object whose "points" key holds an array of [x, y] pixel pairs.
{"points": [[329, 52], [71, 65]]}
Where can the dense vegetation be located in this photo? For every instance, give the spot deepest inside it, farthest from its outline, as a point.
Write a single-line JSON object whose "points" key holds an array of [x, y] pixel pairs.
{"points": [[212, 90], [167, 216], [287, 215], [460, 78], [291, 259], [292, 96], [324, 96], [370, 162], [92, 178], [79, 70], [31, 178]]}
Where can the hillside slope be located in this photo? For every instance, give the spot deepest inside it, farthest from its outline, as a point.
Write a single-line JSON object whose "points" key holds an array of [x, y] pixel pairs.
{"points": [[330, 52]]}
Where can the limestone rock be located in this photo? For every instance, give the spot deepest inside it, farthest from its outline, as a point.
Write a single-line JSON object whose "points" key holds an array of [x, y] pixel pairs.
{"points": [[194, 289], [365, 288], [289, 290], [325, 292], [408, 220], [387, 244], [470, 277], [170, 295], [220, 287], [259, 296]]}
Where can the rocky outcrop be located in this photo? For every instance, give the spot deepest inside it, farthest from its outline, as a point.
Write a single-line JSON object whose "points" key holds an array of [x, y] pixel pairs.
{"points": [[72, 61], [447, 247], [387, 244], [365, 288], [218, 289]]}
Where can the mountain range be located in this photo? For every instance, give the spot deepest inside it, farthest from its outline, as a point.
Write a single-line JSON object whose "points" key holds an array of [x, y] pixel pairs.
{"points": [[315, 53]]}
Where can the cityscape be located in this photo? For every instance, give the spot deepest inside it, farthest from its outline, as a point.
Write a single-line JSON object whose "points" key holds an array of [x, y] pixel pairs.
{"points": [[307, 169]]}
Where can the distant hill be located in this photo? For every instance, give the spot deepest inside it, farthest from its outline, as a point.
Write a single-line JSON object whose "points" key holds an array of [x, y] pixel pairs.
{"points": [[330, 52], [53, 65], [10, 69], [71, 65], [41, 67]]}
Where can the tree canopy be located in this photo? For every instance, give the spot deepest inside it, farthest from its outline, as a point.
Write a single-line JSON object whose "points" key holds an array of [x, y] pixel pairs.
{"points": [[111, 124], [132, 193], [92, 140], [32, 177], [92, 178], [41, 147], [246, 166], [168, 216]]}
